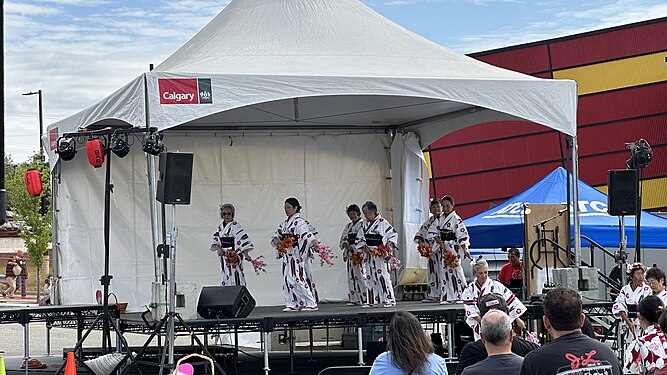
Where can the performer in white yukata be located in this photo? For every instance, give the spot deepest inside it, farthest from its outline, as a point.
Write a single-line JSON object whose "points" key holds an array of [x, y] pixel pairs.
{"points": [[625, 306], [483, 285], [232, 245], [354, 258], [293, 241], [451, 235], [379, 242], [655, 278], [648, 354], [435, 265]]}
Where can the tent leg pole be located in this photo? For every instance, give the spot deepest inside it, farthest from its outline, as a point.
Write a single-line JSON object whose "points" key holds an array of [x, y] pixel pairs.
{"points": [[575, 203]]}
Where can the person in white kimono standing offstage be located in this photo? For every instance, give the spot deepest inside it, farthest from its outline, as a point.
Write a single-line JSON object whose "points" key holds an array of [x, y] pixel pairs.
{"points": [[232, 245], [451, 235], [379, 241], [625, 306], [293, 240], [435, 265], [655, 278], [354, 258], [483, 285]]}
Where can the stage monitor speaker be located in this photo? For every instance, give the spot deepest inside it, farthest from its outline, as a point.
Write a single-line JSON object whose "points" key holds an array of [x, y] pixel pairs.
{"points": [[175, 180], [225, 302], [622, 192]]}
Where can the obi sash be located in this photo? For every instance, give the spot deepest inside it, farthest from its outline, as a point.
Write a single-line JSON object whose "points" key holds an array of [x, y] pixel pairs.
{"points": [[352, 238], [447, 235], [373, 239], [227, 242]]}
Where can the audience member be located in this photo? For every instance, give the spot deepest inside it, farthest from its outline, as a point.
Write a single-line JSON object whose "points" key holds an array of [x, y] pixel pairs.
{"points": [[22, 277], [474, 352], [587, 328], [511, 274], [496, 332], [571, 352], [646, 355], [409, 350]]}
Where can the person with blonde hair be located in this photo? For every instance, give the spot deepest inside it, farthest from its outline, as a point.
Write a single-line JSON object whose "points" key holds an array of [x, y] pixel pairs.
{"points": [[409, 350], [625, 306]]}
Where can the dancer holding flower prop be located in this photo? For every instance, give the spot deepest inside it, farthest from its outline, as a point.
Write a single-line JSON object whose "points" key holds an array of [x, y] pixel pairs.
{"points": [[293, 240], [232, 245], [354, 258], [378, 239], [432, 251], [451, 236]]}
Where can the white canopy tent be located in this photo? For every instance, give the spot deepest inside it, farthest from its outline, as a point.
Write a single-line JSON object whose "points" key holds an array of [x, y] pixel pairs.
{"points": [[324, 100]]}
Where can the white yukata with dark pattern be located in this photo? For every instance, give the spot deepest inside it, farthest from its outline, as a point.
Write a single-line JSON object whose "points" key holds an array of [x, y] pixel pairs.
{"points": [[380, 289], [452, 280], [434, 261], [231, 237], [297, 282], [626, 297], [474, 292], [356, 275]]}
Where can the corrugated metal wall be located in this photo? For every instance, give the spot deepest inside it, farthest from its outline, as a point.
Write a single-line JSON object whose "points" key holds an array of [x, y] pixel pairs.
{"points": [[622, 78]]}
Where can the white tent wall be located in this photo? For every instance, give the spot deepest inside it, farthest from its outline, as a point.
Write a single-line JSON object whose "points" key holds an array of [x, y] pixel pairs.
{"points": [[255, 173]]}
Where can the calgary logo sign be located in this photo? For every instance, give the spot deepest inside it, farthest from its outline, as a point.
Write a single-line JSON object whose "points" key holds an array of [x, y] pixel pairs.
{"points": [[185, 91]]}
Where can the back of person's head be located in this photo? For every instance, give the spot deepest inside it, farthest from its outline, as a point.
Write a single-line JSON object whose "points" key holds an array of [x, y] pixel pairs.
{"points": [[662, 321], [562, 307], [651, 308], [491, 301], [407, 342], [496, 328]]}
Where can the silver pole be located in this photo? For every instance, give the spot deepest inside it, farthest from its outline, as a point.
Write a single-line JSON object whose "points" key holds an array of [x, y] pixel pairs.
{"points": [[624, 244], [575, 203], [360, 346], [266, 353], [152, 192], [172, 285], [26, 345]]}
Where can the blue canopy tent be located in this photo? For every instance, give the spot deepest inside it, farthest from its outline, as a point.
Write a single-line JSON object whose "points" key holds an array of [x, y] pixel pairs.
{"points": [[502, 226]]}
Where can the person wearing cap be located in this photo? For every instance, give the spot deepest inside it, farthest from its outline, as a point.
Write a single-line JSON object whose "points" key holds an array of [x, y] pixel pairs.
{"points": [[232, 244], [625, 306], [483, 285], [475, 351], [451, 235]]}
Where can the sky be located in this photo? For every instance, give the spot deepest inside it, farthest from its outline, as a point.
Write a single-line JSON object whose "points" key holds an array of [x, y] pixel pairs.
{"points": [[79, 51]]}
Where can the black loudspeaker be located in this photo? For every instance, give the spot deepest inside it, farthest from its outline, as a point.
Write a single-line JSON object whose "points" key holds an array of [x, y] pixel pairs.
{"points": [[175, 180], [225, 302], [622, 192]]}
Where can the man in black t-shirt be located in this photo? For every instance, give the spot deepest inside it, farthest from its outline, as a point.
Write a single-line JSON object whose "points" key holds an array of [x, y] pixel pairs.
{"points": [[571, 352], [474, 352]]}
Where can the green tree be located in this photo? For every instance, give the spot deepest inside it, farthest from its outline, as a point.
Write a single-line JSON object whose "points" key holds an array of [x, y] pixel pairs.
{"points": [[33, 214]]}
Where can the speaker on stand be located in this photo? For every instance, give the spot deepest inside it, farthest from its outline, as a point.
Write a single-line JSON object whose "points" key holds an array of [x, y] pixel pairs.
{"points": [[621, 201]]}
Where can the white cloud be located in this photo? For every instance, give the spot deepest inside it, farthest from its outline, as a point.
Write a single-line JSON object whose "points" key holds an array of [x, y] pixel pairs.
{"points": [[29, 9]]}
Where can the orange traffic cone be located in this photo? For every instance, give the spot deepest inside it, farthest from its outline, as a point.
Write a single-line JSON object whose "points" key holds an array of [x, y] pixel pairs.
{"points": [[70, 366]]}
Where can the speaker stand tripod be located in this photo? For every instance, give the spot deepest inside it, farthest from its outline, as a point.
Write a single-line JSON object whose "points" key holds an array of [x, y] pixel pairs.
{"points": [[169, 319]]}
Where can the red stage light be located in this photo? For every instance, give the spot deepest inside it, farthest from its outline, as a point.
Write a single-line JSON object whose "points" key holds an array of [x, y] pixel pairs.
{"points": [[95, 152], [33, 182]]}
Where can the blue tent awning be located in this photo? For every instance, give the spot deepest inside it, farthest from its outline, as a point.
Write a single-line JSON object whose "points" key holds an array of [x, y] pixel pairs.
{"points": [[502, 226]]}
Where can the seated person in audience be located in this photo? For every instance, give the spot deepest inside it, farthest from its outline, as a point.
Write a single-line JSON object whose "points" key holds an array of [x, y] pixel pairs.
{"points": [[474, 352], [511, 274], [496, 332], [409, 350]]}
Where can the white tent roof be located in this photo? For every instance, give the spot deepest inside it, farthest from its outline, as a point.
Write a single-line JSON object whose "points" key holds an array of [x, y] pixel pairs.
{"points": [[329, 64]]}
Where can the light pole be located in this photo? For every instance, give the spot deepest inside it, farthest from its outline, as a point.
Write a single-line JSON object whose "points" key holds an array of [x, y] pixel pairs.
{"points": [[41, 118]]}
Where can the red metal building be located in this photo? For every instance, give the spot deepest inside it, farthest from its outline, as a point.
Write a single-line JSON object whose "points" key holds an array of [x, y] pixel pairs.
{"points": [[622, 77]]}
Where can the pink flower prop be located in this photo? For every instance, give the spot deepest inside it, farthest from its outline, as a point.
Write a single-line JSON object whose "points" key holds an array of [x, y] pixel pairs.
{"points": [[258, 264], [394, 263], [326, 254], [532, 337]]}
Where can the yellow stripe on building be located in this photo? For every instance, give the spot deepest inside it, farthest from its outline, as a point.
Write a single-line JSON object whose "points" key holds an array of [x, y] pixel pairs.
{"points": [[427, 156], [617, 74], [654, 192]]}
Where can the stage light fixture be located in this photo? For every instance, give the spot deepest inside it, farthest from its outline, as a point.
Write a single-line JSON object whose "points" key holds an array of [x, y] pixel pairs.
{"points": [[95, 152], [153, 145], [641, 154], [119, 145], [66, 148]]}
